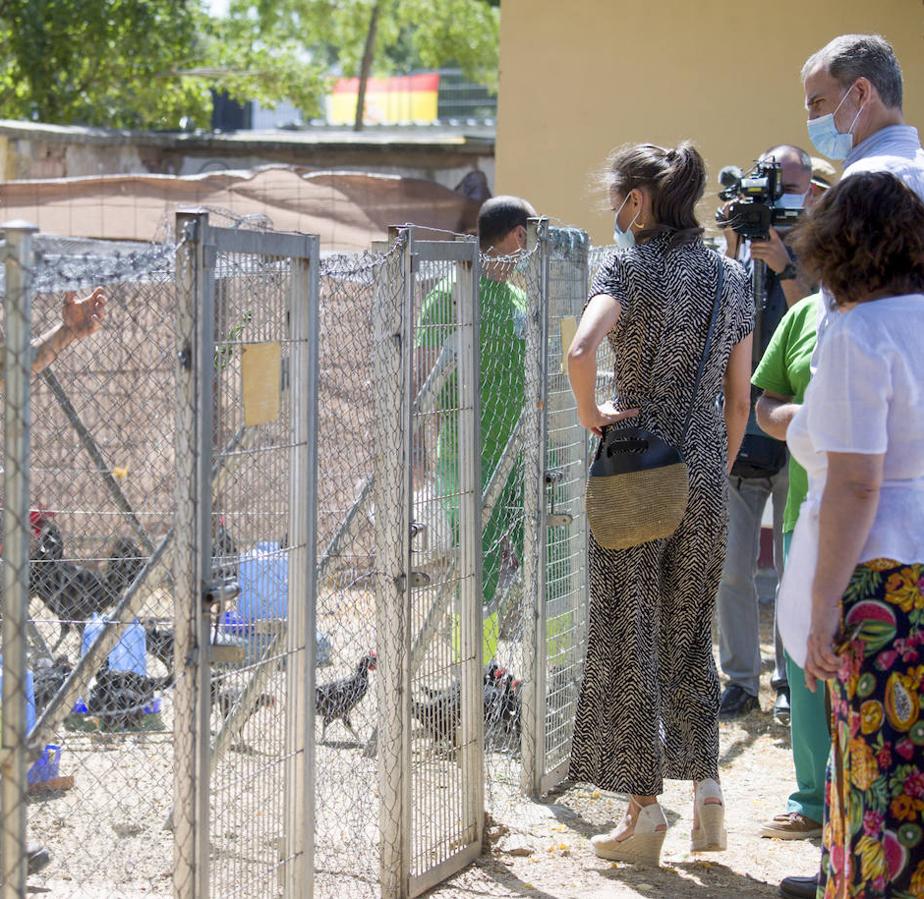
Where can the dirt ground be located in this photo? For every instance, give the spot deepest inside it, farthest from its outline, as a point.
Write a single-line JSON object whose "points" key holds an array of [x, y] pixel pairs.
{"points": [[543, 850]]}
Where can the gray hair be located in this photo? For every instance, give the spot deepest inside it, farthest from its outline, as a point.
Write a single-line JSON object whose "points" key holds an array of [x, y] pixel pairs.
{"points": [[852, 56]]}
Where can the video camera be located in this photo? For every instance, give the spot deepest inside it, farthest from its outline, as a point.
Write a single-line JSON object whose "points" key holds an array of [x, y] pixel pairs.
{"points": [[755, 195]]}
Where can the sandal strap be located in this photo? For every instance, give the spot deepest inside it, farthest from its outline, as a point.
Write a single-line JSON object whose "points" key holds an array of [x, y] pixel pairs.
{"points": [[708, 789]]}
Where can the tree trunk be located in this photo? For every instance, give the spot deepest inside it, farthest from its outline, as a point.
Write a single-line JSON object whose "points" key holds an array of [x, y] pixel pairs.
{"points": [[366, 66]]}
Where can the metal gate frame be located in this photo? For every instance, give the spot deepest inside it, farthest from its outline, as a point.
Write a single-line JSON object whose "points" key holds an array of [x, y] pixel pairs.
{"points": [[538, 774], [400, 650], [198, 247]]}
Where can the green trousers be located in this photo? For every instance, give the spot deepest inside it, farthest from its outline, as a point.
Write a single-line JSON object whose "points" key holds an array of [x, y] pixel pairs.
{"points": [[811, 738]]}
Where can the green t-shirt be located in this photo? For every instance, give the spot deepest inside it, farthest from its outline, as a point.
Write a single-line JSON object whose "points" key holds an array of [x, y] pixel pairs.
{"points": [[785, 369], [502, 326]]}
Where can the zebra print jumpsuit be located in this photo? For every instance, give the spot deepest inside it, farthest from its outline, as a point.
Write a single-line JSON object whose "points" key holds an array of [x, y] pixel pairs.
{"points": [[650, 697]]}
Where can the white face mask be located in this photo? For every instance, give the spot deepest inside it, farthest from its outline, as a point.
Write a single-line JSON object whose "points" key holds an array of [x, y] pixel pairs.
{"points": [[624, 239], [825, 137], [791, 201]]}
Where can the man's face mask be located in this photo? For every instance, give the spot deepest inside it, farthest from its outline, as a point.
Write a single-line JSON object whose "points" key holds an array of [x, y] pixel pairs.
{"points": [[792, 201], [825, 137]]}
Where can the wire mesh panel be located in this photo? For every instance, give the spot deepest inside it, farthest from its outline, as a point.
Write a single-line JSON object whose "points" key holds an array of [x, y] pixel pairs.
{"points": [[512, 314], [606, 385], [565, 613], [260, 591], [17, 311], [447, 308], [100, 753], [357, 789]]}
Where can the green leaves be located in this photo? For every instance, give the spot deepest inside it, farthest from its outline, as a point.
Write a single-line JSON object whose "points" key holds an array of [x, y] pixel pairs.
{"points": [[101, 62], [152, 63]]}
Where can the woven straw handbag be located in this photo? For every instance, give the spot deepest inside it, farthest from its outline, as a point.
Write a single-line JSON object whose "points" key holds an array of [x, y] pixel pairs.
{"points": [[639, 484]]}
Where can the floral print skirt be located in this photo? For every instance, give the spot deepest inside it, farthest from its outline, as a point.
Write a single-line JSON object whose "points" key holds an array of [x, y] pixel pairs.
{"points": [[874, 804]]}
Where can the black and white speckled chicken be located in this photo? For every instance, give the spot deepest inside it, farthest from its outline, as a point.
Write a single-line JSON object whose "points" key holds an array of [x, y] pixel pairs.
{"points": [[336, 700], [226, 698], [441, 712], [503, 707], [118, 698], [47, 678]]}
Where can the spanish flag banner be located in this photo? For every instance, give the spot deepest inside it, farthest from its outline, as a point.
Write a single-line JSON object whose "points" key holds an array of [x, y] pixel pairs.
{"points": [[389, 101]]}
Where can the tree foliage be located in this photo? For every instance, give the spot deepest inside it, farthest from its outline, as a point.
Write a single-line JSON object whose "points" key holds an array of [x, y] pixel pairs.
{"points": [[101, 62], [152, 63]]}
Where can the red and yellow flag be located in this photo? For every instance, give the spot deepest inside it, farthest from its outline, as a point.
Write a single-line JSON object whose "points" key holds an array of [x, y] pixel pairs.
{"points": [[389, 101]]}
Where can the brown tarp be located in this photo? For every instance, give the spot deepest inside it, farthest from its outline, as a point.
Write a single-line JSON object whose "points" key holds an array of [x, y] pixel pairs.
{"points": [[347, 210]]}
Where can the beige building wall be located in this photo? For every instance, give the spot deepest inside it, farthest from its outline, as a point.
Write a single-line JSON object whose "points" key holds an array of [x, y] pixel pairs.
{"points": [[581, 77]]}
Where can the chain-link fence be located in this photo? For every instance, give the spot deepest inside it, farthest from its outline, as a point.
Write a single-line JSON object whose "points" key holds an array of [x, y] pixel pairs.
{"points": [[261, 672]]}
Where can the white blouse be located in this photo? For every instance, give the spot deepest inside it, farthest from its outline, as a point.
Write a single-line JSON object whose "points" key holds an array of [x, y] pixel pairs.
{"points": [[866, 396]]}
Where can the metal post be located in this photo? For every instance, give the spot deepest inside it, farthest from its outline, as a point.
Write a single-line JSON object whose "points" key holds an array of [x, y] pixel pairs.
{"points": [[17, 374], [191, 556], [534, 523], [466, 302], [300, 671], [391, 549]]}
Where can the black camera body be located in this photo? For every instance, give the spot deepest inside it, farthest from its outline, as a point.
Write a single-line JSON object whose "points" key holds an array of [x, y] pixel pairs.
{"points": [[755, 194]]}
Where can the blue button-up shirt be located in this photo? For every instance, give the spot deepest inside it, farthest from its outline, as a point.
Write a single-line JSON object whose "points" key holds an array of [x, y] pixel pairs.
{"points": [[895, 149]]}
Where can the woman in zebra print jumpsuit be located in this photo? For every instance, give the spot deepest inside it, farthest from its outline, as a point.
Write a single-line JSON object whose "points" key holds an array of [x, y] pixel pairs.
{"points": [[650, 697]]}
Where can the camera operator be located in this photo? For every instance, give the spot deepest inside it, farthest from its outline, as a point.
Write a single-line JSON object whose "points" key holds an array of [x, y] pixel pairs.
{"points": [[760, 470]]}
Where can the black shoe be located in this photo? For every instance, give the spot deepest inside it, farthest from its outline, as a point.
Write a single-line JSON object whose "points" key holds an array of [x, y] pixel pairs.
{"points": [[37, 857], [736, 703], [781, 708], [799, 887]]}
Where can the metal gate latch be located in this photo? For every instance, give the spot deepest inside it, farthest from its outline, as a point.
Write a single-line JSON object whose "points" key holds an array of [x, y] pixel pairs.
{"points": [[418, 579], [553, 477]]}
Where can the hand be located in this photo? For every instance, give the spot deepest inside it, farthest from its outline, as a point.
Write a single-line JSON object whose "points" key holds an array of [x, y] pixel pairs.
{"points": [[772, 251], [596, 418], [821, 661], [81, 318]]}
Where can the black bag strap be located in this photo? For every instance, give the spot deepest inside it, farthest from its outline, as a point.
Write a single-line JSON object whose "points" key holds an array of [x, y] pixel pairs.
{"points": [[706, 348]]}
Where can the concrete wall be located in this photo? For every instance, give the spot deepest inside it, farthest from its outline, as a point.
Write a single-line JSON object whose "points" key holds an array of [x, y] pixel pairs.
{"points": [[32, 150], [580, 78]]}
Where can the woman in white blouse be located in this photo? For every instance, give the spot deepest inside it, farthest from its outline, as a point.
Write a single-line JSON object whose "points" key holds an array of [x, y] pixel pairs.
{"points": [[852, 602]]}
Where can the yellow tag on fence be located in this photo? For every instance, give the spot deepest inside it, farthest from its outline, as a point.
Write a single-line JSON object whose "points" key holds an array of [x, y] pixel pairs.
{"points": [[261, 371], [568, 324]]}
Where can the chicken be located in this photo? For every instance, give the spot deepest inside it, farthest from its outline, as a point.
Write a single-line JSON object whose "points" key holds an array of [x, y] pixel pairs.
{"points": [[503, 706], [224, 552], [160, 642], [226, 698], [71, 592], [118, 698], [335, 701], [48, 678], [441, 712]]}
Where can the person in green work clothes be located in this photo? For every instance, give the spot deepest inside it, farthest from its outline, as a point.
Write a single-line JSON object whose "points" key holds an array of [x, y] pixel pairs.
{"points": [[502, 329], [783, 375]]}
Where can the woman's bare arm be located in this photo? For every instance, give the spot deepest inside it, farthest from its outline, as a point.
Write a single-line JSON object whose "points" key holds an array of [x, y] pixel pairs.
{"points": [[600, 317], [848, 509], [737, 389], [774, 413]]}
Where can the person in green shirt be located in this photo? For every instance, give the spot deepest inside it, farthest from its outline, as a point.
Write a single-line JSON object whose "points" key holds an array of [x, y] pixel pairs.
{"points": [[502, 329], [783, 375]]}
